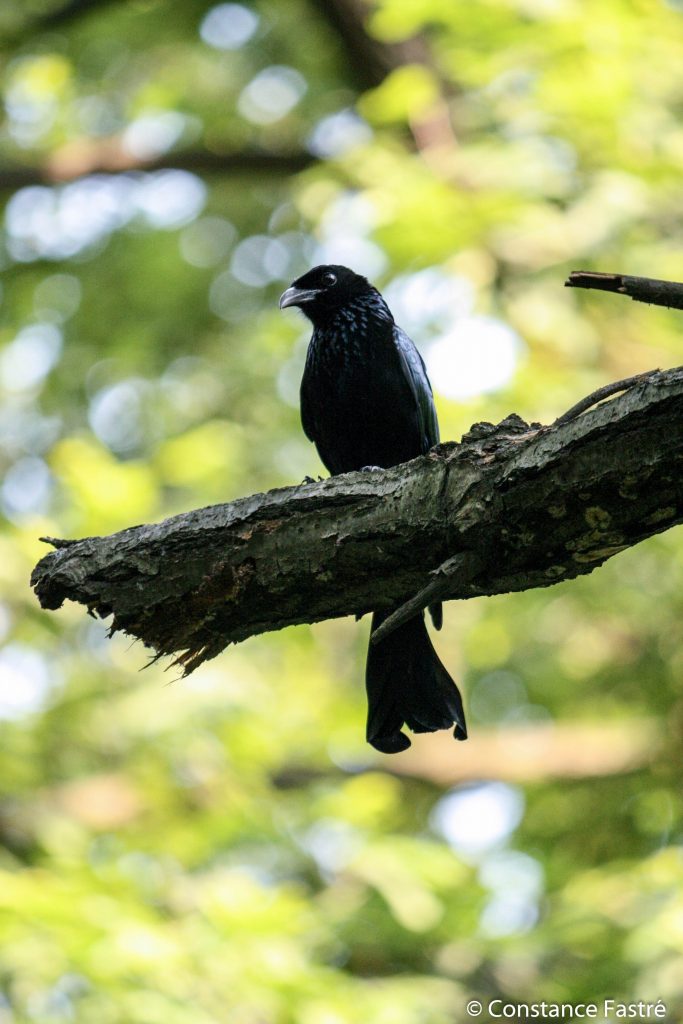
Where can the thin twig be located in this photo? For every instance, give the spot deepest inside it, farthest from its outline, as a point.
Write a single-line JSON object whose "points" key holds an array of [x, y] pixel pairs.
{"points": [[464, 565], [606, 391], [641, 289]]}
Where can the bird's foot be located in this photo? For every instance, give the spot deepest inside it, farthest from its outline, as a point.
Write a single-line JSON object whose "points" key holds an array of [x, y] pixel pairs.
{"points": [[310, 480], [370, 469]]}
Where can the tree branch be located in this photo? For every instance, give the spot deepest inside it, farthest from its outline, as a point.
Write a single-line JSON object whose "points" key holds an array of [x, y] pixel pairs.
{"points": [[370, 60], [105, 158], [526, 505], [27, 28], [533, 752], [641, 289]]}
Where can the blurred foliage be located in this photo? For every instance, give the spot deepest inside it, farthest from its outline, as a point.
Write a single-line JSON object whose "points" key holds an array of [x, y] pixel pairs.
{"points": [[227, 848]]}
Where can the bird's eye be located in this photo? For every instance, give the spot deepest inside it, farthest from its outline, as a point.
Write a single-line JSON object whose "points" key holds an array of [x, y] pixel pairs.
{"points": [[329, 278]]}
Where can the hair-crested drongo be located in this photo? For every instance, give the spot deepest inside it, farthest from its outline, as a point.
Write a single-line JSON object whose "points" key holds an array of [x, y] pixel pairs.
{"points": [[366, 401]]}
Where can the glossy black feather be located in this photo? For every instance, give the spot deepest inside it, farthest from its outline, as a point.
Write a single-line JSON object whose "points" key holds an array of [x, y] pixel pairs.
{"points": [[365, 396], [366, 400]]}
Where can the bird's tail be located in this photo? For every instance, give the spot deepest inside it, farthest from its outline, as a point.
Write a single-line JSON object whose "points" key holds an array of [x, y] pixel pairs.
{"points": [[407, 684]]}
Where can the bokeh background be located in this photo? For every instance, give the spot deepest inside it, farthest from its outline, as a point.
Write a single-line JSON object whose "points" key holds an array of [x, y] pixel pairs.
{"points": [[226, 848]]}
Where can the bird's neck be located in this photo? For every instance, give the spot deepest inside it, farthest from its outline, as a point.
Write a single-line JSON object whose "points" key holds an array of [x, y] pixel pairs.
{"points": [[366, 313]]}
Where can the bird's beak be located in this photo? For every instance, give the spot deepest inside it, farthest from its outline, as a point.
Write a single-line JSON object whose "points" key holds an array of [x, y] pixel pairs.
{"points": [[297, 296]]}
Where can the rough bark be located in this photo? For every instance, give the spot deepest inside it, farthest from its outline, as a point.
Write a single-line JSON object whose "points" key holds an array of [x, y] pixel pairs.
{"points": [[509, 508]]}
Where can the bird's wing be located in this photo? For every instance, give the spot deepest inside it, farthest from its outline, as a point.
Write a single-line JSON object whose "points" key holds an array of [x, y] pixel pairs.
{"points": [[306, 415], [415, 373], [309, 401]]}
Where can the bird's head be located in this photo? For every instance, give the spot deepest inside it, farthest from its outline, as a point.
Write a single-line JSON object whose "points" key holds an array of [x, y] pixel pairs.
{"points": [[323, 291]]}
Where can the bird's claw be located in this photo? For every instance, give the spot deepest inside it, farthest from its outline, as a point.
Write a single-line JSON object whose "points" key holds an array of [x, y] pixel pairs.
{"points": [[370, 469], [311, 480]]}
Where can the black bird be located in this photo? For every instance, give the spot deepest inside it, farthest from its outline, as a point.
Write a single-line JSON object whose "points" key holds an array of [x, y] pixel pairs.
{"points": [[366, 402]]}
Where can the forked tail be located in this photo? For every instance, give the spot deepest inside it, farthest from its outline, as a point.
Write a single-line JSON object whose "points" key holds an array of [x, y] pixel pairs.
{"points": [[407, 684]]}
